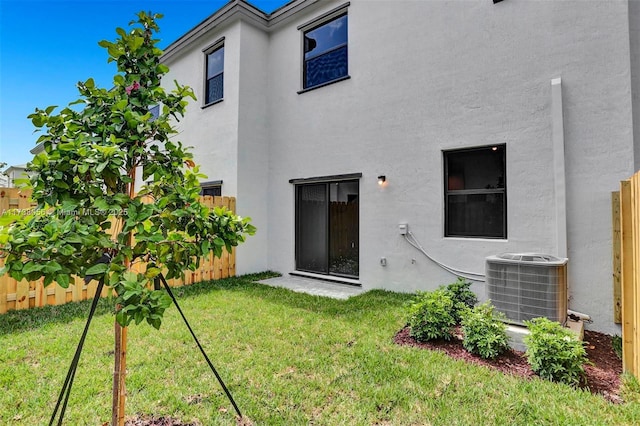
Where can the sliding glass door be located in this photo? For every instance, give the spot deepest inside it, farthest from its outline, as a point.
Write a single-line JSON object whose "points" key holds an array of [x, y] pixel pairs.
{"points": [[327, 228]]}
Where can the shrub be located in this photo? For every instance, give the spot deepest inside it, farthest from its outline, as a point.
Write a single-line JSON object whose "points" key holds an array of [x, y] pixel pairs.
{"points": [[484, 332], [616, 342], [462, 297], [554, 352], [430, 316]]}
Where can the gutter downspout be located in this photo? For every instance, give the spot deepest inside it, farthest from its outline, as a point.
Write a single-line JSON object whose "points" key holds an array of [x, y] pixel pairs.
{"points": [[559, 177]]}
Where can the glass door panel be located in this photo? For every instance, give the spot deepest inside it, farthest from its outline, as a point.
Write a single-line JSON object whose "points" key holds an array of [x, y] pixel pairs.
{"points": [[311, 228], [343, 228]]}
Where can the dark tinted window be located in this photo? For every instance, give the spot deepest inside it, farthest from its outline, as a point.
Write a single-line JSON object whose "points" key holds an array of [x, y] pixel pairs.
{"points": [[325, 52], [475, 193], [215, 73], [214, 191]]}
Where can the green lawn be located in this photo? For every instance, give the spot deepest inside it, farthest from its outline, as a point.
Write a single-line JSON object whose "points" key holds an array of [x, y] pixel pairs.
{"points": [[288, 359]]}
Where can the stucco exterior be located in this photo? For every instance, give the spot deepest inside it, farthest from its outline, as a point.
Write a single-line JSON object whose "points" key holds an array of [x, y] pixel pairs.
{"points": [[425, 77]]}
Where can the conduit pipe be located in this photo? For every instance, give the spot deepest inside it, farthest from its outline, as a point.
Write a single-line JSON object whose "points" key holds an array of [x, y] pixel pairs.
{"points": [[559, 177]]}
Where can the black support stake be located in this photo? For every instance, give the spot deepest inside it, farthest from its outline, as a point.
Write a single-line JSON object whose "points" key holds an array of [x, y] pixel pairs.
{"points": [[226, 391], [68, 382]]}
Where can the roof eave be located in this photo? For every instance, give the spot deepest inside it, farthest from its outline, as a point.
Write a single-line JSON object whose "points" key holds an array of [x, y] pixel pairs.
{"points": [[237, 10]]}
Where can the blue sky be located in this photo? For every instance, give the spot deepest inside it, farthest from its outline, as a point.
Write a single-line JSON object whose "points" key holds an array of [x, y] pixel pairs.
{"points": [[47, 46]]}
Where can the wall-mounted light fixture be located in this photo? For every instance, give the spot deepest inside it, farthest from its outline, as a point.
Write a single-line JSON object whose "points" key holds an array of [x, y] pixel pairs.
{"points": [[382, 179]]}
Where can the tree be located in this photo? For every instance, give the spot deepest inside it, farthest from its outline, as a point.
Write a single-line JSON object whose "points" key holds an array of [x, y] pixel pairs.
{"points": [[87, 203]]}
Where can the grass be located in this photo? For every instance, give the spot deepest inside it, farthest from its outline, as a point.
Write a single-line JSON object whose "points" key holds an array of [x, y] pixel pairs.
{"points": [[287, 358]]}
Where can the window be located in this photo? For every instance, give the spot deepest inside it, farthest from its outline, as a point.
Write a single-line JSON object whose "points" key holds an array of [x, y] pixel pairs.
{"points": [[215, 72], [213, 189], [475, 192], [325, 52]]}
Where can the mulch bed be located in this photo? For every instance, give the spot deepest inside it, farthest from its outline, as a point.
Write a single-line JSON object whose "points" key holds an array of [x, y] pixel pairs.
{"points": [[155, 421], [169, 421], [603, 377]]}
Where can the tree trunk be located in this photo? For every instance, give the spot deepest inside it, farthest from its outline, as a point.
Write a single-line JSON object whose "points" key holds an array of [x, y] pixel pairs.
{"points": [[119, 374], [120, 347]]}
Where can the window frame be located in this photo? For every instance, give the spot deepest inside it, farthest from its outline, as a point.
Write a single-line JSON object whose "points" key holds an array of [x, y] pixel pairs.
{"points": [[476, 191], [316, 23], [213, 48], [211, 184]]}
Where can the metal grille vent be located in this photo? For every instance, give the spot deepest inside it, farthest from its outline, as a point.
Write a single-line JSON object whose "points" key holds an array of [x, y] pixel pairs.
{"points": [[527, 285]]}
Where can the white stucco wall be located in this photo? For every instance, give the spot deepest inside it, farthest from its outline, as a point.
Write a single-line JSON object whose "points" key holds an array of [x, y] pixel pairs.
{"points": [[253, 147], [634, 44], [212, 131], [428, 76], [464, 74]]}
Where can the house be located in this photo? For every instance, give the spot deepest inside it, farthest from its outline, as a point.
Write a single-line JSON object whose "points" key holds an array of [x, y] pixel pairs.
{"points": [[13, 173], [361, 135]]}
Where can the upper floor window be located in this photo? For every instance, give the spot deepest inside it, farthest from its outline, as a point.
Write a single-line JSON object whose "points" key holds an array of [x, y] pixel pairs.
{"points": [[475, 192], [325, 52], [215, 73]]}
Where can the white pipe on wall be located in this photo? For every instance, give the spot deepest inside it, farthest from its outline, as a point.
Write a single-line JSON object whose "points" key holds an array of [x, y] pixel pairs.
{"points": [[559, 166]]}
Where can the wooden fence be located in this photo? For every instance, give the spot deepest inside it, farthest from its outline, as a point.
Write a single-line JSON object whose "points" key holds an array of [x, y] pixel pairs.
{"points": [[626, 270], [25, 295]]}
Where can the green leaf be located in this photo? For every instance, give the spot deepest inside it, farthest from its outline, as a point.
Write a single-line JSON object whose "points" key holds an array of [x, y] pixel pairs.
{"points": [[135, 42], [30, 267], [37, 120], [97, 269], [121, 105], [121, 317], [51, 267], [63, 280], [102, 166], [67, 146]]}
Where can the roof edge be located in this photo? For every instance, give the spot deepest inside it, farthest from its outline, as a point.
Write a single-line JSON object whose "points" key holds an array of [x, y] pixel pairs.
{"points": [[234, 9], [237, 10]]}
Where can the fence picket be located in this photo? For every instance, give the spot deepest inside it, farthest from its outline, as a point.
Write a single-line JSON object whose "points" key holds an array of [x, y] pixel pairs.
{"points": [[630, 273]]}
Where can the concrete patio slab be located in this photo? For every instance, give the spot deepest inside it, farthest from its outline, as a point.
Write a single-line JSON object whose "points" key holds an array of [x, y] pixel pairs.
{"points": [[314, 286]]}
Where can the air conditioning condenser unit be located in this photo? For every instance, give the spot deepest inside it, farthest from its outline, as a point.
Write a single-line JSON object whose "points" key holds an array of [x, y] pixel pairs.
{"points": [[524, 286]]}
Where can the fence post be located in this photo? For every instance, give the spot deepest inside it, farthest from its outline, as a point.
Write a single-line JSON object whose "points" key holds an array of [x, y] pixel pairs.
{"points": [[617, 291]]}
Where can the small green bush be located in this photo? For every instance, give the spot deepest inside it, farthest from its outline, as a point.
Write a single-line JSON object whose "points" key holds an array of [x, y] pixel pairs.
{"points": [[462, 296], [430, 316], [616, 342], [554, 352], [484, 332]]}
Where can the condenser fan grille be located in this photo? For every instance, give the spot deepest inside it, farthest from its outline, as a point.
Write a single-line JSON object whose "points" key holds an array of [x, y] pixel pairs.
{"points": [[525, 286]]}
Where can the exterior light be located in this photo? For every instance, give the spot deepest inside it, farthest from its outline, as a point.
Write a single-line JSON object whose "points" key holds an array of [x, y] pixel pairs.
{"points": [[382, 179]]}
